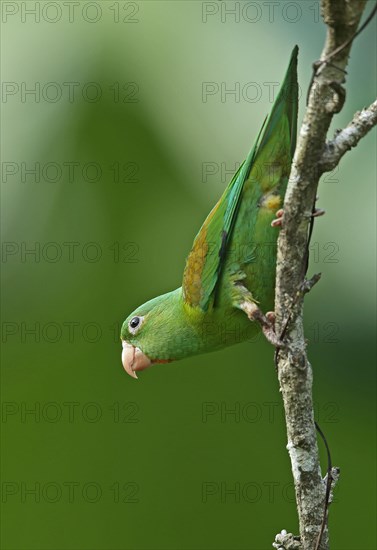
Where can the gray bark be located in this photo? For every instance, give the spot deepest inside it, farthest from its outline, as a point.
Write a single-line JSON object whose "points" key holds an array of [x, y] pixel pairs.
{"points": [[313, 156]]}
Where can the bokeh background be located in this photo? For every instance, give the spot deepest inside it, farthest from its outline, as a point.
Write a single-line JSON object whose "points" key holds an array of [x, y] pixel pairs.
{"points": [[133, 132]]}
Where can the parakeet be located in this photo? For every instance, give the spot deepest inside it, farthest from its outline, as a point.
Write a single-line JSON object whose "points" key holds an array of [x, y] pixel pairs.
{"points": [[229, 277]]}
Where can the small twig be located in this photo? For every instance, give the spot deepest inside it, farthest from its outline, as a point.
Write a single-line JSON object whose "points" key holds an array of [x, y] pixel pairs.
{"points": [[344, 140], [328, 486], [308, 284], [318, 64], [347, 42]]}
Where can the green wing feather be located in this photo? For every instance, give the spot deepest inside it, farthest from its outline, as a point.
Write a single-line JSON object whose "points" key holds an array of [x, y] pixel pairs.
{"points": [[275, 144]]}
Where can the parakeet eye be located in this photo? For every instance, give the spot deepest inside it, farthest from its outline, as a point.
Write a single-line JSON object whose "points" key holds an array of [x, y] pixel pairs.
{"points": [[135, 324]]}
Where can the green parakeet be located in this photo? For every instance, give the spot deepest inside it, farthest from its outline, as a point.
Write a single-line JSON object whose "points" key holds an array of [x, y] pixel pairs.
{"points": [[229, 277]]}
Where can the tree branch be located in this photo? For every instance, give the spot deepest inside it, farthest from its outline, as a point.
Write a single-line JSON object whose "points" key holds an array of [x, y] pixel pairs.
{"points": [[361, 124], [312, 157]]}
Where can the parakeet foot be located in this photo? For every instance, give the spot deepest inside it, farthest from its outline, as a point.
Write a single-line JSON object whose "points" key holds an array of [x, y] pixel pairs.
{"points": [[271, 316], [266, 322], [278, 221]]}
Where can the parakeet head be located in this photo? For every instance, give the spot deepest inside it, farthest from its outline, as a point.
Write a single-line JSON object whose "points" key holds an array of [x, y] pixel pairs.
{"points": [[152, 333]]}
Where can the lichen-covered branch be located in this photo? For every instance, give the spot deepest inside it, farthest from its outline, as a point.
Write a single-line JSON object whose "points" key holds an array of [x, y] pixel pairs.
{"points": [[326, 98], [361, 124]]}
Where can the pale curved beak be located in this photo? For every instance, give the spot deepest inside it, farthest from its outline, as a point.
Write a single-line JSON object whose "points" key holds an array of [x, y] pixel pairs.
{"points": [[134, 359]]}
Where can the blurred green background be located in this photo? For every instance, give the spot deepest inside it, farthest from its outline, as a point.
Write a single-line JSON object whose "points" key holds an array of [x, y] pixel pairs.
{"points": [[130, 152]]}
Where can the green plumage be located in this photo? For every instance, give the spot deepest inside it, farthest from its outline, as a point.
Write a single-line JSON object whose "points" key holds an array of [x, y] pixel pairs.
{"points": [[233, 257]]}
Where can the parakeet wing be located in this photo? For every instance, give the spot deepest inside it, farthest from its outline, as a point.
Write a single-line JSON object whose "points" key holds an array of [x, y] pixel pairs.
{"points": [[276, 141], [203, 265]]}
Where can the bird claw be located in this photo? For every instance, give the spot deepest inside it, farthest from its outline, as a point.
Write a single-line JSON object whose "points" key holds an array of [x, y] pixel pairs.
{"points": [[268, 329], [267, 322], [278, 221], [271, 316], [272, 337]]}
